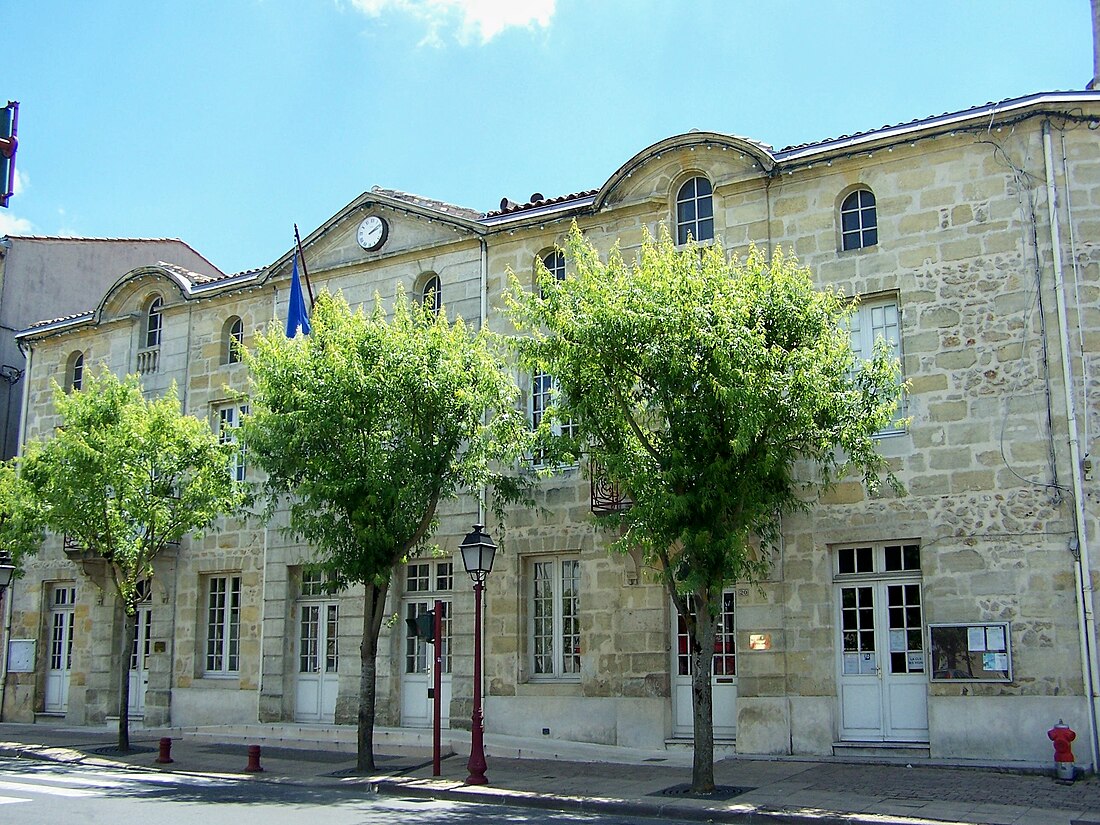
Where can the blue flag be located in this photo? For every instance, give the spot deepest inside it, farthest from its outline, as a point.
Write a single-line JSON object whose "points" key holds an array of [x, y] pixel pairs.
{"points": [[296, 317]]}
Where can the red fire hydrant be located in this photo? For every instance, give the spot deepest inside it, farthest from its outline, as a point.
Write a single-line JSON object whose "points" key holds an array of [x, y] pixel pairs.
{"points": [[1062, 735]]}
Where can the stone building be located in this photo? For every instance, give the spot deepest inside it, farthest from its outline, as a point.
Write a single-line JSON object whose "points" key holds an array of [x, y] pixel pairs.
{"points": [[953, 623]]}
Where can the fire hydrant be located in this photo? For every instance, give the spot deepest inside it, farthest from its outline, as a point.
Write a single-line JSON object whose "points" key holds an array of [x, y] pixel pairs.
{"points": [[1062, 735]]}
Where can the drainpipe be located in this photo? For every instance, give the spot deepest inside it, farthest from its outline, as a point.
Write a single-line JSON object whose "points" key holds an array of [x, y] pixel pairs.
{"points": [[482, 321], [1084, 590]]}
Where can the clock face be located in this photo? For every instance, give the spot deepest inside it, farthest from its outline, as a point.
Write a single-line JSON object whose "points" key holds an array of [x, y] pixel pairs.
{"points": [[372, 233]]}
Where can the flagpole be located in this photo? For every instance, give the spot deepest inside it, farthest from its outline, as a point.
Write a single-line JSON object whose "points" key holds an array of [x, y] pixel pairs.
{"points": [[305, 271]]}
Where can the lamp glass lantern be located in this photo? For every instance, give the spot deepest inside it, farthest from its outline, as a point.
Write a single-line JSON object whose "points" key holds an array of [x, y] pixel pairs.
{"points": [[7, 570], [478, 551]]}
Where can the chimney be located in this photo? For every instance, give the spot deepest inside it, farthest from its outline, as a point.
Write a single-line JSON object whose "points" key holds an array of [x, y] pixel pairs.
{"points": [[1095, 82]]}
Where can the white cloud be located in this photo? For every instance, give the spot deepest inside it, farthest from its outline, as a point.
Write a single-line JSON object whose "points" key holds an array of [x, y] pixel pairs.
{"points": [[21, 182], [11, 225], [483, 19]]}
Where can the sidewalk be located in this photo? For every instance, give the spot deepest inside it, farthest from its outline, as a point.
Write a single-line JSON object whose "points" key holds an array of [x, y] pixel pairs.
{"points": [[589, 778]]}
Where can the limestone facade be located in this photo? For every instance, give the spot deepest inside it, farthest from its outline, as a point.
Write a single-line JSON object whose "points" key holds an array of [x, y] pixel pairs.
{"points": [[853, 641]]}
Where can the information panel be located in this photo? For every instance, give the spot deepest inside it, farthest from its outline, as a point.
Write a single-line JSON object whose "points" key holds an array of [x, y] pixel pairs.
{"points": [[979, 652]]}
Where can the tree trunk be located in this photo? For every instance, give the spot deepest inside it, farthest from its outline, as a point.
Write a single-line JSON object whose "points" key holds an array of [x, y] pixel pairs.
{"points": [[702, 659], [374, 603], [129, 622]]}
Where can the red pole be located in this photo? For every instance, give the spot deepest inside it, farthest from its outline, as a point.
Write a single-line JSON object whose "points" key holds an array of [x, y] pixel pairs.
{"points": [[437, 717], [476, 765]]}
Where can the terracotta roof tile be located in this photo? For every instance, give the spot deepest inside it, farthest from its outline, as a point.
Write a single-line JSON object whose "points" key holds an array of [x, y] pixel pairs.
{"points": [[509, 207]]}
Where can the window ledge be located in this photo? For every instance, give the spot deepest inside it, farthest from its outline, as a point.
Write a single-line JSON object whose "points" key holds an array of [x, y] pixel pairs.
{"points": [[549, 687], [217, 681]]}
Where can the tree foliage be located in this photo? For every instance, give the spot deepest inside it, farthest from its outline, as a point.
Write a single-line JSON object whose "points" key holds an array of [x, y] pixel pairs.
{"points": [[21, 527], [122, 478], [719, 394], [364, 426]]}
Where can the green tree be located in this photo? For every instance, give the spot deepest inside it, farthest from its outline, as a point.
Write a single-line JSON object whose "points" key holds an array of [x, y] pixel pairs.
{"points": [[363, 428], [122, 478], [21, 528], [720, 394]]}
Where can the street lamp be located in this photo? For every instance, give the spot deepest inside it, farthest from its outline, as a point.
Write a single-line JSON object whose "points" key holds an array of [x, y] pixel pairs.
{"points": [[478, 552], [7, 570]]}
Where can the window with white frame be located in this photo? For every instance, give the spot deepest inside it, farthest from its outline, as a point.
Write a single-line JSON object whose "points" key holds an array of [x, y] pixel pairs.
{"points": [[154, 322], [74, 372], [431, 294], [877, 319], [232, 340], [554, 262], [223, 625], [695, 211], [428, 581], [858, 220], [544, 392], [229, 422], [554, 618]]}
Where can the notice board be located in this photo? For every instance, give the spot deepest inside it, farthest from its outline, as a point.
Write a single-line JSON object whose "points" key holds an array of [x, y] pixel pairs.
{"points": [[978, 652]]}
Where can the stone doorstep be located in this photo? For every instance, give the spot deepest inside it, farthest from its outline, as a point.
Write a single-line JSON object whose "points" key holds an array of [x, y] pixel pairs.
{"points": [[884, 751]]}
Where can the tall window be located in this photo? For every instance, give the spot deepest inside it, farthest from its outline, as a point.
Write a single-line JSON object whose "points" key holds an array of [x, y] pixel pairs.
{"points": [[554, 610], [858, 220], [425, 582], [74, 372], [694, 211], [229, 422], [432, 294], [877, 319], [724, 662], [544, 392], [555, 264], [153, 322], [232, 340], [223, 625]]}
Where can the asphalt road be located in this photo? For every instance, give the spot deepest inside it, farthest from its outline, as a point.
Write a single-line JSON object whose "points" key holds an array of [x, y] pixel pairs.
{"points": [[46, 793]]}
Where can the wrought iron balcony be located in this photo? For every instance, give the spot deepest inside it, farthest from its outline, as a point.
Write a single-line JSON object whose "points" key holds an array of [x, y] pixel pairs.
{"points": [[607, 496]]}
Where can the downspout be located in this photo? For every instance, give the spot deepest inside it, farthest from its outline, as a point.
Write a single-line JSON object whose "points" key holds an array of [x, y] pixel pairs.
{"points": [[1084, 590], [9, 593], [482, 322]]}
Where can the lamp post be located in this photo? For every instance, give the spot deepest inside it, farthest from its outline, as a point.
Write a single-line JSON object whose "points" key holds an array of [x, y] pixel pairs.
{"points": [[478, 551], [7, 570]]}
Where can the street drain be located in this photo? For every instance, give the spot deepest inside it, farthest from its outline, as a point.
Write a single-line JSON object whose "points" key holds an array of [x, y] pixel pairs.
{"points": [[720, 793]]}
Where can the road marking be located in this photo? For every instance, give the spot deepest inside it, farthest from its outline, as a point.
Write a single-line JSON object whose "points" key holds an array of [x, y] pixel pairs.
{"points": [[7, 800], [46, 789]]}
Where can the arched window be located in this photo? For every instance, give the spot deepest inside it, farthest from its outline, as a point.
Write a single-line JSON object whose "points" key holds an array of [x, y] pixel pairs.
{"points": [[858, 220], [74, 372], [232, 340], [153, 322], [431, 294], [694, 211], [554, 261]]}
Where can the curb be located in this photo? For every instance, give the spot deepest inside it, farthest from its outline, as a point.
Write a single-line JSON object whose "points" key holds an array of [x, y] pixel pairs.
{"points": [[621, 807]]}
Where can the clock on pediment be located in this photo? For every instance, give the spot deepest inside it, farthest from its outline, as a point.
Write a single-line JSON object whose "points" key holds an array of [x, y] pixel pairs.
{"points": [[372, 233]]}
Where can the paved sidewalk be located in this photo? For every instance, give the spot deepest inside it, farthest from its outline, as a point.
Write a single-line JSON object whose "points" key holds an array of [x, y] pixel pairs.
{"points": [[590, 778]]}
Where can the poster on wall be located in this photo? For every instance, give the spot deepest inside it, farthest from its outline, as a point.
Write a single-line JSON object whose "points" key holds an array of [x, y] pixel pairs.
{"points": [[978, 652]]}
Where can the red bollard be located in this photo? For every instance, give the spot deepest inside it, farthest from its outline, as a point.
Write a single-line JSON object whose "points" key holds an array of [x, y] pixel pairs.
{"points": [[253, 760], [165, 755]]}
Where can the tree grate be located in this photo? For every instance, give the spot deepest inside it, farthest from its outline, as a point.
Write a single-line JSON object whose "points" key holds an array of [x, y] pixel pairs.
{"points": [[720, 793]]}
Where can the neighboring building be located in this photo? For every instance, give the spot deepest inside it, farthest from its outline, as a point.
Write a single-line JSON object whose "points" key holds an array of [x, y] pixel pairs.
{"points": [[949, 623], [50, 277]]}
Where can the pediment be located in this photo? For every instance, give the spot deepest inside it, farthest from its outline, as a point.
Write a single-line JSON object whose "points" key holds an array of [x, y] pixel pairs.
{"points": [[410, 225], [652, 173]]}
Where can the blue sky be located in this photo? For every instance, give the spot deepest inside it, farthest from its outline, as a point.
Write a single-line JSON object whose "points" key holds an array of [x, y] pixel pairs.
{"points": [[224, 122]]}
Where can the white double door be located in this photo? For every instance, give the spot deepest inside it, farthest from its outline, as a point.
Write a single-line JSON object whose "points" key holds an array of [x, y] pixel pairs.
{"points": [[139, 661], [723, 677], [883, 682], [60, 664], [420, 662], [318, 661]]}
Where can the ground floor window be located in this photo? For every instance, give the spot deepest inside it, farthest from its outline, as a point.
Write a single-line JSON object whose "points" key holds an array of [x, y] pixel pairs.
{"points": [[223, 625], [554, 610]]}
